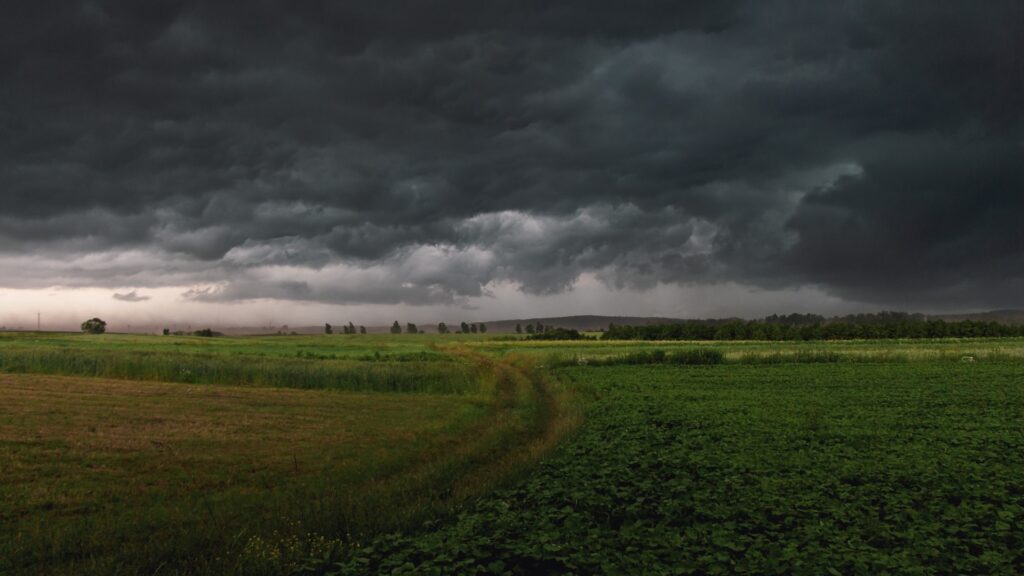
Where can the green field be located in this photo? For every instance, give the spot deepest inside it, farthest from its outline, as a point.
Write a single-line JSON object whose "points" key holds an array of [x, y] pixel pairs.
{"points": [[911, 468], [485, 455], [941, 349]]}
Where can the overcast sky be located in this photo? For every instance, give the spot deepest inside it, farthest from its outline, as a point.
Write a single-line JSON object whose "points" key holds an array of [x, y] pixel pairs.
{"points": [[300, 162]]}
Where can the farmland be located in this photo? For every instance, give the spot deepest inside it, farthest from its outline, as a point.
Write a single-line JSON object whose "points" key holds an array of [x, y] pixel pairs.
{"points": [[788, 469], [164, 469], [474, 454], [160, 464]]}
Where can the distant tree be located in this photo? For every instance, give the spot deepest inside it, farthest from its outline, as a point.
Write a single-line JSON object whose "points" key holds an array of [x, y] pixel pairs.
{"points": [[167, 331], [396, 328], [328, 329], [362, 329], [442, 328], [94, 326], [540, 328], [473, 328], [558, 334], [530, 329], [410, 328], [483, 328], [519, 328], [464, 327]]}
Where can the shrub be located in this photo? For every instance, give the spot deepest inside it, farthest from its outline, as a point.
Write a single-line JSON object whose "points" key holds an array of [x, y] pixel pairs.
{"points": [[94, 326]]}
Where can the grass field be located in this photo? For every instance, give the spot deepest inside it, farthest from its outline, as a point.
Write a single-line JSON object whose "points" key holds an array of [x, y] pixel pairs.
{"points": [[163, 466], [432, 454], [339, 362], [105, 476]]}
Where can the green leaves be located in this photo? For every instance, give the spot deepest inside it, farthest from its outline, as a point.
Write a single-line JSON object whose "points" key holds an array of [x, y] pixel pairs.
{"points": [[839, 469]]}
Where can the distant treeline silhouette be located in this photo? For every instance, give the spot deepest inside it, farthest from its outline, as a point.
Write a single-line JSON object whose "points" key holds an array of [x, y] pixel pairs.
{"points": [[557, 334], [815, 327]]}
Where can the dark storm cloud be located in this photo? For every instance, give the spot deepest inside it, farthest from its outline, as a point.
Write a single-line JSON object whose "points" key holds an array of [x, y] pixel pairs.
{"points": [[414, 152], [947, 214]]}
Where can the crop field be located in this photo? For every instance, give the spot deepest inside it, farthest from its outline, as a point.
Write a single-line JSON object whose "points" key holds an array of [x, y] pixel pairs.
{"points": [[757, 351], [909, 468], [491, 455]]}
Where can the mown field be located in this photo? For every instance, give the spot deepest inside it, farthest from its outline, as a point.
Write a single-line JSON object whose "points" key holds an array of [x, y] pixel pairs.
{"points": [[486, 455], [139, 455], [108, 475]]}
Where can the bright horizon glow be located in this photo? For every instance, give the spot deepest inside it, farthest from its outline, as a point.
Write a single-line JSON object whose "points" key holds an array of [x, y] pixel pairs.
{"points": [[65, 308]]}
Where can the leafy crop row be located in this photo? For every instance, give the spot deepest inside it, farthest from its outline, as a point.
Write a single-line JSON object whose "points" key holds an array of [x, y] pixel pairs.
{"points": [[744, 469], [699, 356], [691, 357]]}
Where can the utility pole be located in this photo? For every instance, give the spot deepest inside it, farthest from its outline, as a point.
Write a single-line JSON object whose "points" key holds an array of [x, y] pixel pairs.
{"points": [[39, 322]]}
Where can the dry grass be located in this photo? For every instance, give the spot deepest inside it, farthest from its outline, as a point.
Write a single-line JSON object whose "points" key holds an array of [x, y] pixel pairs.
{"points": [[98, 474]]}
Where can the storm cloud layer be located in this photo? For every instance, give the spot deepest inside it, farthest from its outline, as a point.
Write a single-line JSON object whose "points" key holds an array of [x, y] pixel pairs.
{"points": [[419, 152]]}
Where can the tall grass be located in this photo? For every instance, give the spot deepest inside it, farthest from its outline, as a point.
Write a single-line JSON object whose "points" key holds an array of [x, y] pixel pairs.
{"points": [[382, 376]]}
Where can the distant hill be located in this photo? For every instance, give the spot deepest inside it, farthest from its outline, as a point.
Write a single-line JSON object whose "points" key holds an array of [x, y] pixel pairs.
{"points": [[581, 323], [1001, 316]]}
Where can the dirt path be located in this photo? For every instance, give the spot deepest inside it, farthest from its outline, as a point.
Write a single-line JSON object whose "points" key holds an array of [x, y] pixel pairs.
{"points": [[528, 416]]}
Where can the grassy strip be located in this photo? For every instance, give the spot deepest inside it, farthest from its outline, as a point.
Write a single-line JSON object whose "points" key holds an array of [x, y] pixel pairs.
{"points": [[405, 376]]}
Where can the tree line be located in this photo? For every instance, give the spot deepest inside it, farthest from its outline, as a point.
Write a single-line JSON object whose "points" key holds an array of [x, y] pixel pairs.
{"points": [[350, 328], [533, 328], [811, 327], [411, 328], [464, 328]]}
